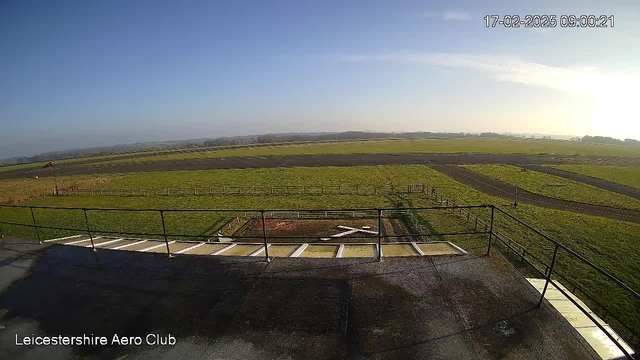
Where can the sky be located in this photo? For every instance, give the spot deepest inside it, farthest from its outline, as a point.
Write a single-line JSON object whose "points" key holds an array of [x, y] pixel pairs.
{"points": [[95, 73]]}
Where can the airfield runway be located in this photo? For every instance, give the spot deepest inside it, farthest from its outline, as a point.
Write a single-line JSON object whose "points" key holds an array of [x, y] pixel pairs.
{"points": [[506, 191], [255, 162]]}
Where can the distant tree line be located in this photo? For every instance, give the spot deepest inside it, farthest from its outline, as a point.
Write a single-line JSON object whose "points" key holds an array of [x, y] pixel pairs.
{"points": [[278, 138], [610, 140], [360, 135]]}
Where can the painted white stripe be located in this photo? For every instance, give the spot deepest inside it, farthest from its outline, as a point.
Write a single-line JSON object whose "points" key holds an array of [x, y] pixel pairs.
{"points": [[361, 230], [224, 249], [417, 249], [190, 248], [340, 250], [299, 250], [345, 233], [63, 238], [457, 247], [79, 241], [155, 246], [106, 243], [259, 251], [127, 245]]}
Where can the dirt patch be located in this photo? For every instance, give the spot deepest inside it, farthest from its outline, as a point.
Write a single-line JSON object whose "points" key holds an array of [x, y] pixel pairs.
{"points": [[315, 230]]}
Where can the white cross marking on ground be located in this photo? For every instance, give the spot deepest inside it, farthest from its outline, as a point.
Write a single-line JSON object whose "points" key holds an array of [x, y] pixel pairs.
{"points": [[350, 230]]}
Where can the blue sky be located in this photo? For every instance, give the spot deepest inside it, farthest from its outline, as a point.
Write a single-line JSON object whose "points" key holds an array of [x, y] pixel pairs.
{"points": [[93, 73]]}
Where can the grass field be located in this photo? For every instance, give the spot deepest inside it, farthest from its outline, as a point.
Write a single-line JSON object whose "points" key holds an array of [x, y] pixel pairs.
{"points": [[20, 190], [68, 161], [456, 145], [613, 245], [555, 186], [462, 145], [626, 175]]}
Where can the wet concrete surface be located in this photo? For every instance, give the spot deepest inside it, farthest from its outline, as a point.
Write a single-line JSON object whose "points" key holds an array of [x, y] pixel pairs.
{"points": [[460, 307]]}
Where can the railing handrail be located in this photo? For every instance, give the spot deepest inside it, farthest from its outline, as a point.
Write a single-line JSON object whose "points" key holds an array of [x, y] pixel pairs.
{"points": [[255, 210], [377, 212], [578, 256]]}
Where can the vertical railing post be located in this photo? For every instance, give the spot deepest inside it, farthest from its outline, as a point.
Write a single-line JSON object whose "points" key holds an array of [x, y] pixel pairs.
{"points": [[164, 233], [493, 207], [546, 284], [264, 237], [379, 234], [86, 221], [35, 225]]}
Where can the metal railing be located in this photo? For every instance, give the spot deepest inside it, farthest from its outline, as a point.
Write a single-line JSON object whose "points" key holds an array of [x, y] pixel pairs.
{"points": [[480, 226], [549, 271]]}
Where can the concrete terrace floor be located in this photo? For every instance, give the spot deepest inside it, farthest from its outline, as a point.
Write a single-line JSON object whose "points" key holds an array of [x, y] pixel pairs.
{"points": [[459, 307]]}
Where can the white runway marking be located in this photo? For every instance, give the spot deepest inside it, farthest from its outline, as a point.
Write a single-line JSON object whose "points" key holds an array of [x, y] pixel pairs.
{"points": [[224, 249], [259, 251], [63, 238], [300, 250], [155, 246], [127, 245], [106, 243], [190, 248], [340, 251], [79, 241], [417, 249]]}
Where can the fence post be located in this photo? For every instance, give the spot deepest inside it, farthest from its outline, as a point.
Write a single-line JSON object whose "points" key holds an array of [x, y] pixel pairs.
{"points": [[164, 232], [546, 284], [86, 220], [264, 236], [493, 207], [35, 225], [379, 234]]}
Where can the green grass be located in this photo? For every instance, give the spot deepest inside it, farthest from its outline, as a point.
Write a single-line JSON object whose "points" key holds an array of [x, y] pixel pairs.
{"points": [[19, 190], [458, 145], [454, 145], [66, 161], [613, 245], [626, 175], [541, 183]]}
